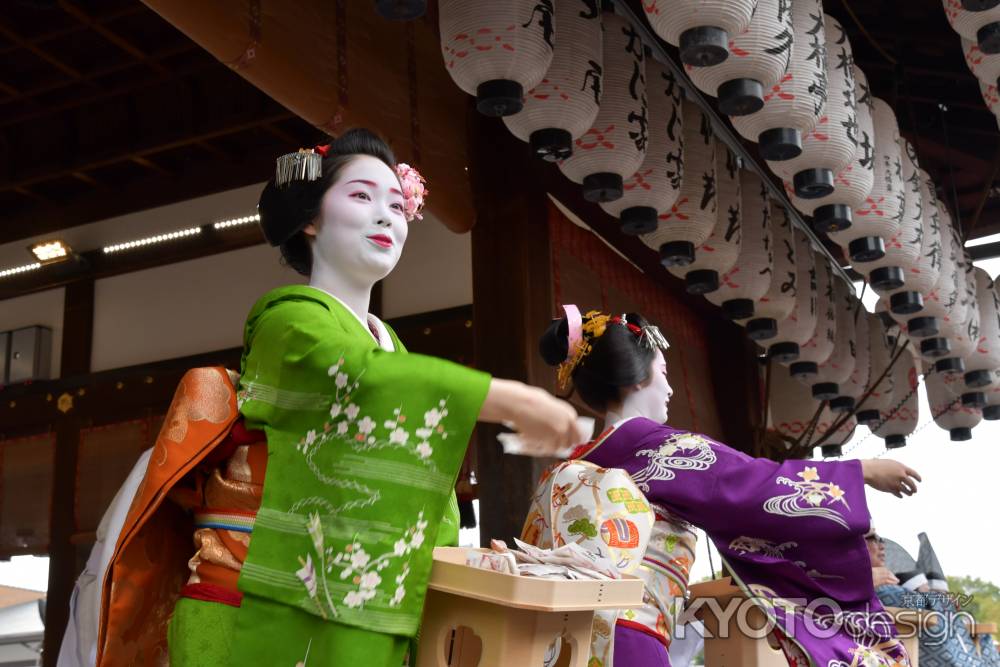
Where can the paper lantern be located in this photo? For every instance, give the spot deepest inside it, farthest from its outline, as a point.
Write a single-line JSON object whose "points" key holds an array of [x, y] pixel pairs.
{"points": [[899, 419], [758, 58], [984, 357], [853, 388], [749, 278], [879, 217], [966, 335], [613, 149], [793, 105], [565, 103], [923, 276], [838, 367], [853, 184], [791, 410], [497, 50], [701, 29], [829, 147], [691, 219], [979, 5], [928, 328], [796, 328], [982, 27], [820, 345], [991, 98], [947, 408], [888, 274], [718, 253], [984, 66], [653, 189], [827, 419], [992, 409], [401, 10], [880, 383], [779, 300], [955, 323]]}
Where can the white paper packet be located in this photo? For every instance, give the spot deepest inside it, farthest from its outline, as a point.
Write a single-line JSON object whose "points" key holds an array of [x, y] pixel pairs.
{"points": [[512, 443]]}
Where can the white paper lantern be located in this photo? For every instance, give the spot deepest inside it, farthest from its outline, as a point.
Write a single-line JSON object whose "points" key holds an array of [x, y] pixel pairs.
{"points": [[962, 315], [837, 368], [758, 58], [829, 147], [853, 184], [718, 253], [820, 345], [779, 300], [982, 27], [793, 106], [992, 409], [797, 327], [497, 50], [565, 103], [923, 276], [946, 405], [654, 188], [984, 66], [691, 219], [853, 388], [888, 274], [991, 98], [614, 147], [941, 300], [880, 216], [984, 359], [880, 382], [749, 278], [701, 29], [899, 419], [834, 445], [791, 410]]}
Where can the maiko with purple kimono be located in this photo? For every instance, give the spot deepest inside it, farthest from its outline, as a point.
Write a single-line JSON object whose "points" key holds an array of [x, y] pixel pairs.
{"points": [[792, 534]]}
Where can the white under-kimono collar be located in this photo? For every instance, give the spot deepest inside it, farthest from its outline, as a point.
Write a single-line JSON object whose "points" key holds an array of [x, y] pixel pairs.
{"points": [[373, 325]]}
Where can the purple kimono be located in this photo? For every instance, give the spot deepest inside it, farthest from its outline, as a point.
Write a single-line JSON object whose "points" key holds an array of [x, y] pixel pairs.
{"points": [[792, 534]]}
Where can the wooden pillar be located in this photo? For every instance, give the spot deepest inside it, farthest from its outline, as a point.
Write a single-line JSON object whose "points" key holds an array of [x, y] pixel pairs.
{"points": [[78, 328], [512, 302]]}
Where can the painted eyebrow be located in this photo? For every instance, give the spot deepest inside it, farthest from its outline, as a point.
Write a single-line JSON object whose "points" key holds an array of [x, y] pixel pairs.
{"points": [[373, 184]]}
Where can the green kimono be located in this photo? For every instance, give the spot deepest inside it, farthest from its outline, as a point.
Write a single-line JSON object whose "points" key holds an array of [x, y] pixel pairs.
{"points": [[364, 446]]}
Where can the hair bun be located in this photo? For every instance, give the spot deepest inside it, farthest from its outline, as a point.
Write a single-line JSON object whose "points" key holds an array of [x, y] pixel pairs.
{"points": [[554, 343], [286, 210]]}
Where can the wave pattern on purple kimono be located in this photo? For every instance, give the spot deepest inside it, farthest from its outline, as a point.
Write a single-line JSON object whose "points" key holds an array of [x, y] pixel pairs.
{"points": [[792, 534]]}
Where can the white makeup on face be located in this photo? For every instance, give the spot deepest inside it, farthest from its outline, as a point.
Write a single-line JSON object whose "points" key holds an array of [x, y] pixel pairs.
{"points": [[649, 400], [361, 232]]}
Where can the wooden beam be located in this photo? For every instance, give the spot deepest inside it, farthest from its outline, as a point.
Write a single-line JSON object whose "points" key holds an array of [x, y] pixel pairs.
{"points": [[12, 36], [111, 36], [128, 10], [149, 164], [88, 179], [78, 328]]}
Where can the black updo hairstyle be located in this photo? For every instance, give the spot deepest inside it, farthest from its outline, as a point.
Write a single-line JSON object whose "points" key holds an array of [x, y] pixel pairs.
{"points": [[285, 211], [616, 360]]}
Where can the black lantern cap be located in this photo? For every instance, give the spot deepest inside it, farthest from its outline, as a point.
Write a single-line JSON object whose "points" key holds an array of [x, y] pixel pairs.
{"points": [[677, 253], [924, 327], [551, 143], [949, 365], [978, 379], [979, 5], [803, 371], [813, 183], [832, 218], [737, 309], [829, 451], [764, 328], [784, 353], [842, 404], [960, 434], [866, 249], [825, 391], [889, 278], [401, 10], [895, 441], [499, 97], [988, 38], [973, 399], [741, 97], [935, 348], [637, 220], [991, 412], [704, 46], [779, 144], [904, 303], [868, 417], [603, 187], [701, 281]]}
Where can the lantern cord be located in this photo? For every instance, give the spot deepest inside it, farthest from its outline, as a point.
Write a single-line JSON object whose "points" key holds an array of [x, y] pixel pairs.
{"points": [[865, 32], [810, 427]]}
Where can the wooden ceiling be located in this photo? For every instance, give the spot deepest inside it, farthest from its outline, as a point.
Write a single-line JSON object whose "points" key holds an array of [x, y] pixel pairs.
{"points": [[106, 109]]}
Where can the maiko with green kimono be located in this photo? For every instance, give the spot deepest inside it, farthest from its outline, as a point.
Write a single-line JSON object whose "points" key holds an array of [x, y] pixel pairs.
{"points": [[327, 468]]}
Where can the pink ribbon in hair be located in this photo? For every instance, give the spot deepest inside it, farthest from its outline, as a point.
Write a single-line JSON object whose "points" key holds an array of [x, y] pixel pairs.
{"points": [[575, 336]]}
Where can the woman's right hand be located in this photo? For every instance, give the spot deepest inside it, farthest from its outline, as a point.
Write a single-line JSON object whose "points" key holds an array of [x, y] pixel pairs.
{"points": [[546, 424], [890, 476]]}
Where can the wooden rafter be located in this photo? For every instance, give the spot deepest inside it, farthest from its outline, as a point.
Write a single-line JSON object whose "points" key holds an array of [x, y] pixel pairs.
{"points": [[12, 36], [111, 36], [130, 10]]}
